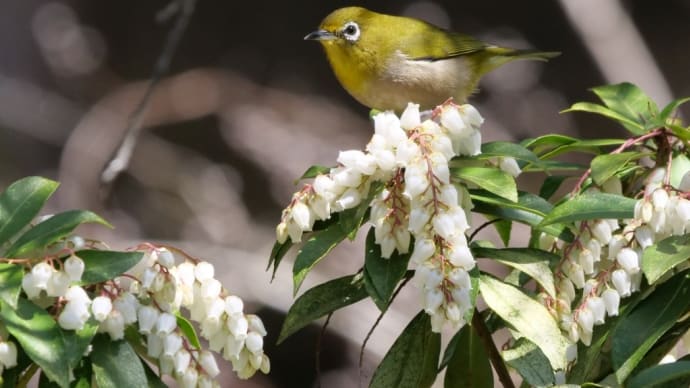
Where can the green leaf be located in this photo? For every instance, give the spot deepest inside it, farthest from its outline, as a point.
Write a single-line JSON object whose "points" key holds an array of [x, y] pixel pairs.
{"points": [[11, 276], [100, 266], [314, 250], [533, 262], [675, 374], [492, 180], [657, 259], [40, 337], [277, 253], [503, 228], [550, 185], [154, 381], [529, 317], [381, 276], [547, 143], [77, 341], [590, 206], [679, 166], [607, 165], [21, 202], [51, 230], [314, 171], [412, 360], [116, 364], [629, 101], [530, 209], [188, 330], [508, 149], [469, 365], [351, 220], [526, 358], [321, 300], [671, 107], [650, 319]]}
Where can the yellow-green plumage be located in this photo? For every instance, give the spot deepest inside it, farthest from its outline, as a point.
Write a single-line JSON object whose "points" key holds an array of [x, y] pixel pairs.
{"points": [[386, 61]]}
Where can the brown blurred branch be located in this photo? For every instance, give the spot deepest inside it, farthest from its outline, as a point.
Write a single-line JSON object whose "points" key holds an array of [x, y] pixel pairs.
{"points": [[123, 154]]}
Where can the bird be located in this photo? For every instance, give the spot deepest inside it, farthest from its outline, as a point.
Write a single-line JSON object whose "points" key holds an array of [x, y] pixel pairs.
{"points": [[386, 61]]}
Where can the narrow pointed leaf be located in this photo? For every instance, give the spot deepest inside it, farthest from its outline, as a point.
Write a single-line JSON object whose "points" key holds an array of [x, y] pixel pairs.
{"points": [[589, 206], [314, 171], [671, 107], [469, 366], [314, 250], [77, 341], [490, 179], [277, 253], [381, 276], [633, 337], [188, 330], [40, 337], [630, 124], [21, 202], [550, 185], [526, 358], [100, 266], [607, 165], [321, 300], [533, 262], [116, 364], [11, 276], [412, 360], [664, 255], [629, 101], [527, 316], [51, 230], [675, 374], [508, 149]]}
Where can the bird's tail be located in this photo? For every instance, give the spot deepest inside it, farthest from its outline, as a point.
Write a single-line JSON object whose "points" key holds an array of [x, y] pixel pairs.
{"points": [[498, 56]]}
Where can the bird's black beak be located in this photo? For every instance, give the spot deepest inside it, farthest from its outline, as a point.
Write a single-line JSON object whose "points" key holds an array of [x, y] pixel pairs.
{"points": [[320, 35]]}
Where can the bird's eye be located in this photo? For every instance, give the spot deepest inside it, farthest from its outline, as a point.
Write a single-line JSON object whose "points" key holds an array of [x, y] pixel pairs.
{"points": [[351, 31]]}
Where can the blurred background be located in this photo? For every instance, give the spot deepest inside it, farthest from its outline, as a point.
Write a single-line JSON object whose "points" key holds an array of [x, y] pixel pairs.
{"points": [[246, 106]]}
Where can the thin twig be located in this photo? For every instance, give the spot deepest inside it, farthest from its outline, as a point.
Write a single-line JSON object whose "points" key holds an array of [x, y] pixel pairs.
{"points": [[317, 355], [627, 144], [123, 153], [373, 327], [495, 357]]}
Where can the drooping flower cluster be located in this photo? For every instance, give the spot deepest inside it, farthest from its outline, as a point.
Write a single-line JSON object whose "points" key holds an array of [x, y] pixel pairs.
{"points": [[152, 301], [606, 256], [418, 201]]}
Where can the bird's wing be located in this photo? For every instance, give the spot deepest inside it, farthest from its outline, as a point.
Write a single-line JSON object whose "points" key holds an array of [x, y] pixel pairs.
{"points": [[448, 45]]}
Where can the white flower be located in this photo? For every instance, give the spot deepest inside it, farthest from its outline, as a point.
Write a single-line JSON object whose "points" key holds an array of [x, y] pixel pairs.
{"points": [[58, 284], [350, 198], [148, 316], [233, 305], [453, 121], [181, 363], [208, 363], [410, 117], [611, 300], [74, 315], [423, 249], [41, 273], [601, 230], [101, 307], [254, 342], [622, 282], [166, 324], [74, 266], [166, 258], [628, 260], [598, 308], [509, 166], [171, 344], [644, 236], [8, 354], [203, 271], [115, 325], [302, 216], [189, 379]]}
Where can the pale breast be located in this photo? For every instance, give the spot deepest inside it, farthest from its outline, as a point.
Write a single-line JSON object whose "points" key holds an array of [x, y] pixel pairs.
{"points": [[428, 83]]}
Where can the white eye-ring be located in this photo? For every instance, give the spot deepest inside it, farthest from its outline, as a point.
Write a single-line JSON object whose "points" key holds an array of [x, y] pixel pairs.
{"points": [[351, 31]]}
